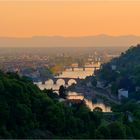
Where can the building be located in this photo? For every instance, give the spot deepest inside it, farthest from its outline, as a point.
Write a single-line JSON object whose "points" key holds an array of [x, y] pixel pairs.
{"points": [[137, 89], [113, 67], [122, 93]]}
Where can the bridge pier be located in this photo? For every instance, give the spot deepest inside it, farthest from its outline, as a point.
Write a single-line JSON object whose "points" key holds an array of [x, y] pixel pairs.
{"points": [[54, 82], [66, 84], [43, 82], [84, 68], [72, 69]]}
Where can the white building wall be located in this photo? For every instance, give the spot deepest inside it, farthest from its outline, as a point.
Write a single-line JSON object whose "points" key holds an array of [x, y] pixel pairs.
{"points": [[122, 93]]}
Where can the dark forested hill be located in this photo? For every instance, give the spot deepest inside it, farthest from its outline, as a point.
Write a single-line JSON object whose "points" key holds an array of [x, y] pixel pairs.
{"points": [[124, 71], [27, 112]]}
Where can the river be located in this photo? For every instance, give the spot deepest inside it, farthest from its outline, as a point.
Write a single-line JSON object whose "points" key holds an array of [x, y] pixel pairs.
{"points": [[68, 73], [77, 73]]}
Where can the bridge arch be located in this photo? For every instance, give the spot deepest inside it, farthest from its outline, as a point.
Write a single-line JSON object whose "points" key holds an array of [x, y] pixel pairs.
{"points": [[50, 81], [98, 109], [60, 82], [102, 107], [71, 81]]}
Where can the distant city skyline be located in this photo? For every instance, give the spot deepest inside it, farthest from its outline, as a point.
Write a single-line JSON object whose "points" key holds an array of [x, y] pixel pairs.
{"points": [[69, 18]]}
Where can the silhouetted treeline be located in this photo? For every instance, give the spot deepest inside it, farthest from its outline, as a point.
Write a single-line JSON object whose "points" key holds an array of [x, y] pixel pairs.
{"points": [[28, 112]]}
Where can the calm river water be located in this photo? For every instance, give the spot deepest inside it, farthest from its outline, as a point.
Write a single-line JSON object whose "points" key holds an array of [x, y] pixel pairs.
{"points": [[68, 73], [77, 73]]}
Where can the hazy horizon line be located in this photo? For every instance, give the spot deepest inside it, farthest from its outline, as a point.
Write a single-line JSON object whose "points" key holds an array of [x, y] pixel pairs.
{"points": [[63, 36]]}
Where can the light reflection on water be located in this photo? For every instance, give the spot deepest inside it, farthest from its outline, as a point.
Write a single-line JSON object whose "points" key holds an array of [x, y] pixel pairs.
{"points": [[68, 73], [92, 106], [89, 103], [77, 73]]}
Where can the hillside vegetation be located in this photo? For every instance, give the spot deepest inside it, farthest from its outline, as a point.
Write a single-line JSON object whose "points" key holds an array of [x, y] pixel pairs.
{"points": [[28, 112], [126, 74]]}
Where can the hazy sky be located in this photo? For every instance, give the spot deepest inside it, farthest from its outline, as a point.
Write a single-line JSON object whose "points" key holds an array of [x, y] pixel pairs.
{"points": [[69, 17]]}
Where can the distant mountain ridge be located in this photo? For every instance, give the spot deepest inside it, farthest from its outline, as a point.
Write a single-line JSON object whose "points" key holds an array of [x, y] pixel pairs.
{"points": [[59, 41]]}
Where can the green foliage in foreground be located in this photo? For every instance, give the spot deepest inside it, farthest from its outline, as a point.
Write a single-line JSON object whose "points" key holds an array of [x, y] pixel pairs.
{"points": [[27, 112]]}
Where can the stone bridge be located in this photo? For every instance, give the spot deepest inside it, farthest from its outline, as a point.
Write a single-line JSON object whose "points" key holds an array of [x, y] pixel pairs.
{"points": [[84, 67], [66, 80]]}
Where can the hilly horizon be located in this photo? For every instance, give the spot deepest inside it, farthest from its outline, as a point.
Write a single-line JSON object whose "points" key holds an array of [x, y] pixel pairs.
{"points": [[60, 41]]}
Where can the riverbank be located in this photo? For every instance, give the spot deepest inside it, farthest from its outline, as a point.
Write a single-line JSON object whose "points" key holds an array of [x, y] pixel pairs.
{"points": [[95, 93]]}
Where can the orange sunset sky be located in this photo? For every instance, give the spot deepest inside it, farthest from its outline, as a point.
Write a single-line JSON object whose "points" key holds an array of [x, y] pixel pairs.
{"points": [[69, 18]]}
